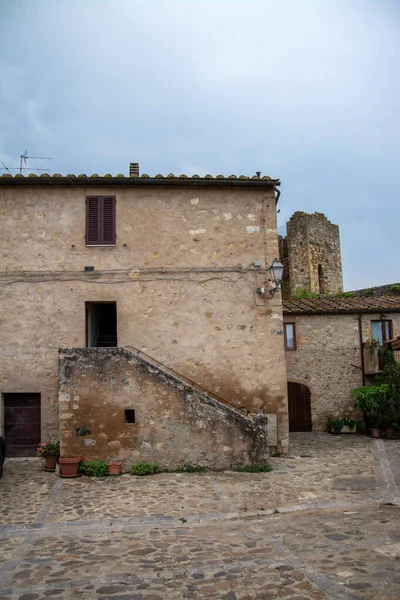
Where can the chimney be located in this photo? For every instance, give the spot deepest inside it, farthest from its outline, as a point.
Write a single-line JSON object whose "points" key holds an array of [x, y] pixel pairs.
{"points": [[133, 169]]}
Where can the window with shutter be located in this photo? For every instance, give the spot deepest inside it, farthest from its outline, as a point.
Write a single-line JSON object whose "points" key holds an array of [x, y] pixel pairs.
{"points": [[100, 221]]}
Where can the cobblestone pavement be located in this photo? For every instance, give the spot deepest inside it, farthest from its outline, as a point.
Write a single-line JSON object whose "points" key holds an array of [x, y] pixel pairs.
{"points": [[324, 524]]}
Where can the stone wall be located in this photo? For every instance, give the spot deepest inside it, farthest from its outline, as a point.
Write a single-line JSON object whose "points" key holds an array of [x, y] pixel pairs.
{"points": [[313, 247], [174, 425], [182, 277], [328, 360]]}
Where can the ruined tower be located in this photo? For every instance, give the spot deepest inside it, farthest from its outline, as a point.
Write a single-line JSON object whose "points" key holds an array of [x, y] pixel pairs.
{"points": [[311, 253]]}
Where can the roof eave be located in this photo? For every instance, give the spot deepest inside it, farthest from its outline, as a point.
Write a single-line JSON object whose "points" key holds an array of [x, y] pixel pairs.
{"points": [[138, 181], [342, 311]]}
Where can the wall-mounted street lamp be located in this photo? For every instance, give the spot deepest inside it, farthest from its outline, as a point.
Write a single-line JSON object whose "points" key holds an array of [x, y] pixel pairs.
{"points": [[276, 270]]}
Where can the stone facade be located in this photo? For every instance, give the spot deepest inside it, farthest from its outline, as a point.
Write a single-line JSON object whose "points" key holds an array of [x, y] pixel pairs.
{"points": [[174, 425], [328, 359], [312, 251], [181, 275]]}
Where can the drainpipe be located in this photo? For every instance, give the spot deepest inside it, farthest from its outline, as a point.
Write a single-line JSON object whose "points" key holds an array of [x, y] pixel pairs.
{"points": [[278, 193], [361, 348]]}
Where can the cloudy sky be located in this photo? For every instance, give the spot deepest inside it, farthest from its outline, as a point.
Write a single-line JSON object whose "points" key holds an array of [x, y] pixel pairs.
{"points": [[304, 90]]}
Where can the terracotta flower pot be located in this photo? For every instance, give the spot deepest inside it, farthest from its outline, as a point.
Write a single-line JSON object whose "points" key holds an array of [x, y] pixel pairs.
{"points": [[374, 432], [51, 462], [114, 467], [69, 466]]}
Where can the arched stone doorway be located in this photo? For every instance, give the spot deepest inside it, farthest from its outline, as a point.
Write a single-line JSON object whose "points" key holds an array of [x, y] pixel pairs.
{"points": [[299, 403]]}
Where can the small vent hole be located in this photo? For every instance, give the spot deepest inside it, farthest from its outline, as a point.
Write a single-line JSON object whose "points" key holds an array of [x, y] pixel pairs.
{"points": [[129, 415]]}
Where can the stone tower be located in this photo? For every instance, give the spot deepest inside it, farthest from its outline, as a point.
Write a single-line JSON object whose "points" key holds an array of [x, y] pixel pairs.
{"points": [[311, 253]]}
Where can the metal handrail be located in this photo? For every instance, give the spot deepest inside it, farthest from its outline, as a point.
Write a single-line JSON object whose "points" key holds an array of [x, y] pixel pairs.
{"points": [[185, 379]]}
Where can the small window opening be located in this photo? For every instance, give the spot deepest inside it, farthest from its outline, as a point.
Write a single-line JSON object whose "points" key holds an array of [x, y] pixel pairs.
{"points": [[101, 325], [129, 415]]}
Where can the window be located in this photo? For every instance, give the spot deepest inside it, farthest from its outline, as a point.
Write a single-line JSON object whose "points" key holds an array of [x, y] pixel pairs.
{"points": [[381, 330], [290, 336], [100, 221], [321, 280]]}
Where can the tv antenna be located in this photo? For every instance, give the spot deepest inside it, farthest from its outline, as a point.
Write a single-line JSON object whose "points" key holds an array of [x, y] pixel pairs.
{"points": [[5, 168], [24, 157]]}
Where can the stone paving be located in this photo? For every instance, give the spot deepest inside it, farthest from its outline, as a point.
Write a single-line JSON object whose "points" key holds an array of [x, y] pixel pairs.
{"points": [[324, 524]]}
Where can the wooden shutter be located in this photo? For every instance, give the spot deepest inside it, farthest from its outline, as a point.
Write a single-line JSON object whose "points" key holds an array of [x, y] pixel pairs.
{"points": [[109, 220], [93, 220], [100, 220]]}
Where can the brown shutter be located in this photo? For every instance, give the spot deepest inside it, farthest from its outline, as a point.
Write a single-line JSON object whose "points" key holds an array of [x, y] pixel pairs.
{"points": [[100, 220], [93, 220], [108, 220]]}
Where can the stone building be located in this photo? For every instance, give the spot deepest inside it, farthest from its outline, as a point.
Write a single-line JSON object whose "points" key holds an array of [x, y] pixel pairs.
{"points": [[324, 331], [311, 254], [326, 357], [164, 269]]}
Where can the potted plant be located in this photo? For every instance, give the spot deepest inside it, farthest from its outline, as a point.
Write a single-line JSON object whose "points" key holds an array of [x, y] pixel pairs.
{"points": [[50, 451], [69, 465], [371, 401], [343, 425], [114, 467]]}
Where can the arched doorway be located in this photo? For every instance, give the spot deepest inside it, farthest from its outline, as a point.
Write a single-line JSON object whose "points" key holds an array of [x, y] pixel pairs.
{"points": [[299, 402]]}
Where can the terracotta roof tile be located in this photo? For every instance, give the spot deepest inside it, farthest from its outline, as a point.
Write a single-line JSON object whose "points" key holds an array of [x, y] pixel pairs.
{"points": [[170, 179], [341, 305]]}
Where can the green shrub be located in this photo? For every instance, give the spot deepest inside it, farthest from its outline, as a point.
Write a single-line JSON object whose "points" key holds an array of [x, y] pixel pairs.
{"points": [[94, 468], [395, 288], [371, 400], [345, 295], [302, 293], [262, 468], [367, 293], [143, 468]]}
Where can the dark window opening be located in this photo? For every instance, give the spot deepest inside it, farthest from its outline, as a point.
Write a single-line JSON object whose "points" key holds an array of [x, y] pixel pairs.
{"points": [[289, 332], [101, 325], [100, 221], [321, 282], [129, 415]]}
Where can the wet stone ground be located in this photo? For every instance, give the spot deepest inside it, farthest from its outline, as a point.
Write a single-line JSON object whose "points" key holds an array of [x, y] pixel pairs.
{"points": [[324, 524]]}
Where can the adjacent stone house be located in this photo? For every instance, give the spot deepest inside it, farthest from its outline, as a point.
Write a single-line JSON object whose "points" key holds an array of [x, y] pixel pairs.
{"points": [[163, 269], [326, 356]]}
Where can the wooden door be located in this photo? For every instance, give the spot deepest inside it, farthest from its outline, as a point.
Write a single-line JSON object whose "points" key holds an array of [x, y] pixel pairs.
{"points": [[21, 424], [299, 400]]}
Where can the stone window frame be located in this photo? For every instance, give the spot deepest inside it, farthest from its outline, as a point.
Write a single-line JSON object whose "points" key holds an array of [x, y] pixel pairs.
{"points": [[293, 324]]}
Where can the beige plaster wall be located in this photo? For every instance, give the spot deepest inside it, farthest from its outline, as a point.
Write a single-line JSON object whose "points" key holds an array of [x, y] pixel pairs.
{"points": [[327, 360], [174, 425], [182, 277], [158, 226]]}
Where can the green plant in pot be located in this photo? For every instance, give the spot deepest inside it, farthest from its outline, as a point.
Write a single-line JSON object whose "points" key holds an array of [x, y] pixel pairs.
{"points": [[50, 451], [343, 425], [371, 401]]}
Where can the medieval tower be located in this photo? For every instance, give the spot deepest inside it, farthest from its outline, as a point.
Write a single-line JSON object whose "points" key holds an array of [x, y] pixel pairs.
{"points": [[311, 255]]}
